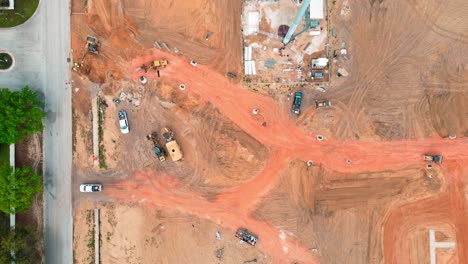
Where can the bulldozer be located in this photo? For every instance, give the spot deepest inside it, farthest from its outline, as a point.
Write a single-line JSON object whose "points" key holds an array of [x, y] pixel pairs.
{"points": [[158, 151], [171, 145]]}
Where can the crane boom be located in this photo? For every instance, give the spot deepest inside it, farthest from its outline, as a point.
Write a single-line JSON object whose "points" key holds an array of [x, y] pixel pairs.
{"points": [[299, 15]]}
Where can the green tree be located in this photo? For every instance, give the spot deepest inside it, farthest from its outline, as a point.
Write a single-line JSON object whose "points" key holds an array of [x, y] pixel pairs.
{"points": [[20, 114], [23, 241], [18, 189]]}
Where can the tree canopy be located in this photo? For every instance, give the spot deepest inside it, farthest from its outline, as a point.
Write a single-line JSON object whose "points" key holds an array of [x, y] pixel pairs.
{"points": [[24, 242], [20, 114], [18, 189]]}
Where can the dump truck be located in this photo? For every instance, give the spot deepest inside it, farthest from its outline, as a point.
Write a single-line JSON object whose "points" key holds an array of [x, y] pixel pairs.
{"points": [[171, 145], [158, 64], [322, 103], [296, 106], [244, 235], [158, 151], [432, 158]]}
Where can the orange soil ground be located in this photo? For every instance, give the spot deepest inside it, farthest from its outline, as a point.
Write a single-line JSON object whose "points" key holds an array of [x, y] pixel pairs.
{"points": [[127, 30], [235, 205]]}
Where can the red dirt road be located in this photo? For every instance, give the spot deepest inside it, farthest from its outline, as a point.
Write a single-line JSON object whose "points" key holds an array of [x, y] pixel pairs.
{"points": [[233, 207]]}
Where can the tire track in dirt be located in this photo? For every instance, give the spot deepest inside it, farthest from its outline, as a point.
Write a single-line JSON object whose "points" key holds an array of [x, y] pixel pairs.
{"points": [[223, 95], [165, 191], [449, 207], [233, 207], [439, 30]]}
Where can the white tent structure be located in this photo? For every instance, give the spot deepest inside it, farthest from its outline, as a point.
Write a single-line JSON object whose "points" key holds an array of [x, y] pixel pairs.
{"points": [[316, 9]]}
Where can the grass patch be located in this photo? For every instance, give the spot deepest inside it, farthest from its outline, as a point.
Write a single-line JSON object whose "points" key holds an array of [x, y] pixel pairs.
{"points": [[4, 154], [24, 9], [102, 149], [5, 61], [90, 236]]}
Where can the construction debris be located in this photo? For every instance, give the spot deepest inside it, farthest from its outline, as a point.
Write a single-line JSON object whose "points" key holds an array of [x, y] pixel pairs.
{"points": [[166, 46], [130, 97], [157, 45]]}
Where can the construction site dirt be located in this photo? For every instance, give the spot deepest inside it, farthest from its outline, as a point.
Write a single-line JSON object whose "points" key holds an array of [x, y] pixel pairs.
{"points": [[342, 184]]}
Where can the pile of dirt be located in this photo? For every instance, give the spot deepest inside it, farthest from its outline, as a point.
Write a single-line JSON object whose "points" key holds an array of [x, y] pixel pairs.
{"points": [[232, 156]]}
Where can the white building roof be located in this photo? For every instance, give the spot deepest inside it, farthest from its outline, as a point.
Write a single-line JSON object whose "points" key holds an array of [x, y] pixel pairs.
{"points": [[253, 22], [320, 62], [249, 68], [316, 9], [248, 53], [11, 5]]}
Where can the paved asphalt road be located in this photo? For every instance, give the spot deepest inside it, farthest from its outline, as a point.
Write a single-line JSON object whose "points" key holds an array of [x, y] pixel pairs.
{"points": [[41, 47]]}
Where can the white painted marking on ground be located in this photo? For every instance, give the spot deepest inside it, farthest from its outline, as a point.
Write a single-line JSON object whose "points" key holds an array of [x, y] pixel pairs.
{"points": [[433, 245]]}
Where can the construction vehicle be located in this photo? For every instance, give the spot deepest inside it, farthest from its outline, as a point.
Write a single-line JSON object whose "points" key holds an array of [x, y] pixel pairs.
{"points": [[158, 64], [322, 103], [171, 145], [154, 65], [432, 158], [296, 106], [92, 44], [244, 235], [303, 12], [159, 151]]}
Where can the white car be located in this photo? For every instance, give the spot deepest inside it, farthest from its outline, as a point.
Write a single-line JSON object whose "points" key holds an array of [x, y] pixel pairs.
{"points": [[123, 122], [90, 187], [193, 63]]}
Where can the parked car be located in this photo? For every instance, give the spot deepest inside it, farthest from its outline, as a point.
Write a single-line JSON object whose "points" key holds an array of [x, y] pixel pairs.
{"points": [[296, 106], [90, 187], [123, 122], [193, 63]]}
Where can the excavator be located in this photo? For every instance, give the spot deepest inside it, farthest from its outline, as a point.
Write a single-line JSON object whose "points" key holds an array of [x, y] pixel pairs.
{"points": [[92, 44], [158, 151]]}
